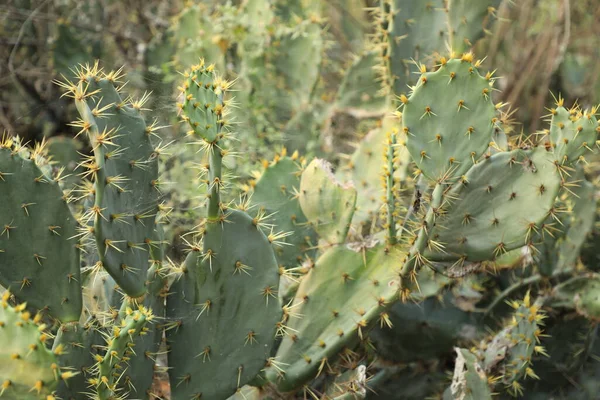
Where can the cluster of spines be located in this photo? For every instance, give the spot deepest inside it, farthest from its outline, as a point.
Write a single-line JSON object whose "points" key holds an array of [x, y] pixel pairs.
{"points": [[95, 179], [110, 367], [522, 337]]}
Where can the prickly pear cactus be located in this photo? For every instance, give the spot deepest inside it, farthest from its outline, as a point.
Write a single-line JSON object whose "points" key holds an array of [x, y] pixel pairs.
{"points": [[230, 273], [345, 293], [124, 169], [327, 203], [275, 195], [28, 368], [449, 118], [469, 381], [572, 132], [38, 242], [509, 354], [491, 214]]}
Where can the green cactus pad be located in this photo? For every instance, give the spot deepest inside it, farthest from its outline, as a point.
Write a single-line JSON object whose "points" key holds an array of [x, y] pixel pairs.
{"points": [[28, 369], [469, 381], [126, 180], [572, 133], [223, 311], [37, 244], [416, 28], [469, 19], [360, 89], [275, 194], [448, 119], [139, 376], [327, 204], [338, 300], [582, 294], [498, 206], [580, 222]]}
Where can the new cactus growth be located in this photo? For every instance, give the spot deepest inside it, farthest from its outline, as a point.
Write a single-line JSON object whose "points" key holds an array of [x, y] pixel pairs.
{"points": [[469, 381], [28, 368]]}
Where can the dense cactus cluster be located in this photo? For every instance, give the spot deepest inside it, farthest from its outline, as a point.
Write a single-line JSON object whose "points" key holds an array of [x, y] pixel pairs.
{"points": [[446, 257]]}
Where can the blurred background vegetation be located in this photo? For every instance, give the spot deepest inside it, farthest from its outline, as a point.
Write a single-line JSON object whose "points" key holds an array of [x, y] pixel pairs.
{"points": [[537, 46]]}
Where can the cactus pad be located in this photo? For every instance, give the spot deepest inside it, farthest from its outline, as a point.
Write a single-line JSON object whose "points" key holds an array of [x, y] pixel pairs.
{"points": [[275, 194], [327, 204], [215, 347], [36, 238], [345, 292], [28, 369], [125, 170], [449, 119], [572, 133], [498, 206]]}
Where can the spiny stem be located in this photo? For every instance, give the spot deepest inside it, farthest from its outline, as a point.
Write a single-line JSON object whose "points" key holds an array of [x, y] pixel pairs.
{"points": [[215, 175], [391, 222], [437, 198]]}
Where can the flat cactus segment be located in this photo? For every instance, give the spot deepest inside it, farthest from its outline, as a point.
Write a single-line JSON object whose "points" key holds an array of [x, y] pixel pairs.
{"points": [[274, 195], [297, 61], [579, 223], [582, 294], [126, 181], [28, 369], [327, 204], [39, 256], [498, 206], [572, 133], [469, 381], [449, 119], [343, 295], [469, 19], [215, 347], [360, 88], [139, 376], [417, 27], [203, 105]]}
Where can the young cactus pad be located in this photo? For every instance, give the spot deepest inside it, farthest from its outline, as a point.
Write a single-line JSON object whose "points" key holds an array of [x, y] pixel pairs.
{"points": [[469, 381], [39, 258], [28, 369], [327, 203], [449, 118], [572, 133]]}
